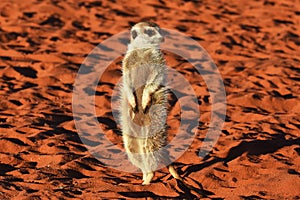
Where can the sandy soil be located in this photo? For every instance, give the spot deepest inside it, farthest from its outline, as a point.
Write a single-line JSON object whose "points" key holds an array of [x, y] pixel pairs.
{"points": [[255, 45]]}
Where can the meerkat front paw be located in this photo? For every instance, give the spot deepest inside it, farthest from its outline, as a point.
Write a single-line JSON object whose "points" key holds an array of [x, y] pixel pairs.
{"points": [[146, 101], [132, 103]]}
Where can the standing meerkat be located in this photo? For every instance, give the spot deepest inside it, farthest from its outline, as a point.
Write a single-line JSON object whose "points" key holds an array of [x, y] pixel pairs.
{"points": [[144, 101]]}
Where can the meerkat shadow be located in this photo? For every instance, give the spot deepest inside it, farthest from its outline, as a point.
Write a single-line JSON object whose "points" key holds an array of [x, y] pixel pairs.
{"points": [[191, 188], [191, 191]]}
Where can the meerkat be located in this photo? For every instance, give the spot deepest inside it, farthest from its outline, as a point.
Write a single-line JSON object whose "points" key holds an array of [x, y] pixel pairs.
{"points": [[143, 109]]}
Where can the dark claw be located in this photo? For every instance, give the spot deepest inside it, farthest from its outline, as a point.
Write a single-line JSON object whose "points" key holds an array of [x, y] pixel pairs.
{"points": [[146, 109], [135, 109]]}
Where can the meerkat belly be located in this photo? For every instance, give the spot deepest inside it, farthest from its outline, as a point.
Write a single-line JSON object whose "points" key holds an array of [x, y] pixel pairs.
{"points": [[142, 145], [137, 145]]}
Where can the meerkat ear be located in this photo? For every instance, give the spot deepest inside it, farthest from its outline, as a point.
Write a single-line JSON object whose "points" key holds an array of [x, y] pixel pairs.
{"points": [[162, 32]]}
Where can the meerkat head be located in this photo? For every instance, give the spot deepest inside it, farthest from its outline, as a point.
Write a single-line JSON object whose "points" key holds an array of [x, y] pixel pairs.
{"points": [[146, 33]]}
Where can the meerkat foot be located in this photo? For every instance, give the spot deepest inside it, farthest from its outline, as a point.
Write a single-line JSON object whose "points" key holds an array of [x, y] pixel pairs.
{"points": [[144, 176], [174, 173], [148, 178]]}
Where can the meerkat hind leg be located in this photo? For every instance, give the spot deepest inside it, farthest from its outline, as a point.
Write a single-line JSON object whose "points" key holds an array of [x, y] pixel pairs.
{"points": [[148, 178], [174, 173]]}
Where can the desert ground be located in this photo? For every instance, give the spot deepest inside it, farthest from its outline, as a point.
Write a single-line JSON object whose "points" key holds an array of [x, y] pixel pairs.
{"points": [[255, 46]]}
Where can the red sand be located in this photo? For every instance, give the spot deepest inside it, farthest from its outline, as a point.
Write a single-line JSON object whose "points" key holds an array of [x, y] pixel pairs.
{"points": [[255, 45]]}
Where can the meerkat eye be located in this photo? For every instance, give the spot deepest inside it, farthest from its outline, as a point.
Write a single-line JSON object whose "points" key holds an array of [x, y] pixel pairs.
{"points": [[149, 32], [134, 34]]}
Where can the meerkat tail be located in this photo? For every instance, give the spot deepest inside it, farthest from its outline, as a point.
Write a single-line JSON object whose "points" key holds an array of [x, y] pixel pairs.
{"points": [[174, 173]]}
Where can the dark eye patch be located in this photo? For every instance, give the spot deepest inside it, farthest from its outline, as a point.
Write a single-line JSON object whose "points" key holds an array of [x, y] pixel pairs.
{"points": [[149, 32], [134, 34]]}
